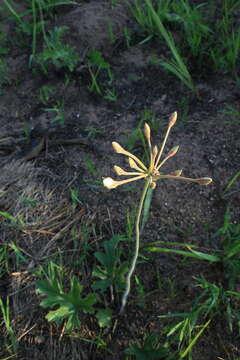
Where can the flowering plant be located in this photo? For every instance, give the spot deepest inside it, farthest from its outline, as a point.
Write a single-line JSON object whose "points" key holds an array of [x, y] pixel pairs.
{"points": [[151, 175]]}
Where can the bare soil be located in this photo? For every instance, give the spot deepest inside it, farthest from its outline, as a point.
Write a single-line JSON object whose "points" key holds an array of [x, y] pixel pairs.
{"points": [[180, 212]]}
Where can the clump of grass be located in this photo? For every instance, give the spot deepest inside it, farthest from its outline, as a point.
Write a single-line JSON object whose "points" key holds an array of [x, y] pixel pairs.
{"points": [[207, 35]]}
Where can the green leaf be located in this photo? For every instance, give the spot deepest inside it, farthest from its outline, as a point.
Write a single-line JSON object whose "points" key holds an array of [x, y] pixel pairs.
{"points": [[102, 285], [69, 304], [88, 302], [104, 317], [191, 253], [8, 216], [194, 340], [146, 208], [58, 315]]}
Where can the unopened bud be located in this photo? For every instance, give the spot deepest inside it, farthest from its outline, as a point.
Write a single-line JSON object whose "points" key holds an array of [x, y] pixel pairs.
{"points": [[153, 185], [147, 132], [155, 151], [173, 151], [204, 181], [118, 148], [172, 119], [176, 173], [109, 183], [119, 170]]}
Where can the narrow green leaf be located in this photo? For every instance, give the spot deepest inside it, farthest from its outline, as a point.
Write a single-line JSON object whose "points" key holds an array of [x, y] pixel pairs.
{"points": [[146, 207], [194, 340], [193, 254]]}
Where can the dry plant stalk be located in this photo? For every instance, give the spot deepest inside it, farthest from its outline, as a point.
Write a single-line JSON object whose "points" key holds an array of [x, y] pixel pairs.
{"points": [[151, 175]]}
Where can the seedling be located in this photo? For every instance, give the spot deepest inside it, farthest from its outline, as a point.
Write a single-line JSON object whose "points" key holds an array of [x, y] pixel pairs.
{"points": [[20, 258], [58, 110], [150, 348], [91, 167], [56, 52], [69, 305], [45, 93], [92, 132], [110, 271], [75, 197], [96, 64], [38, 9], [104, 317], [111, 95], [14, 221], [5, 310], [3, 260], [233, 114], [127, 37], [150, 174], [26, 201]]}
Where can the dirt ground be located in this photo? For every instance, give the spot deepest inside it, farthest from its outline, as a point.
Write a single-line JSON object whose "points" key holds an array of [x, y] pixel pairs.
{"points": [[180, 212]]}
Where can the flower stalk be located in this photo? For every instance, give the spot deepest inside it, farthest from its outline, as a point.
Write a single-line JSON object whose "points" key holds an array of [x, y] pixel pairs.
{"points": [[137, 244]]}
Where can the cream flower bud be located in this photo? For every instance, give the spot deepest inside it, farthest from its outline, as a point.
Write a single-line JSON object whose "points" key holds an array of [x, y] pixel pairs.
{"points": [[119, 170], [118, 148], [153, 185], [176, 173], [155, 151], [204, 181], [147, 133], [133, 165], [173, 151], [109, 183], [172, 119]]}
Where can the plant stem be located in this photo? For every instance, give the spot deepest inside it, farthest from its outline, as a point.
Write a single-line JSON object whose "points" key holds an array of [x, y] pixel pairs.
{"points": [[137, 242]]}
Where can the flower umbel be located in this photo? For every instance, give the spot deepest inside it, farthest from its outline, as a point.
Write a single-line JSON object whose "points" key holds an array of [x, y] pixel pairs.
{"points": [[151, 171]]}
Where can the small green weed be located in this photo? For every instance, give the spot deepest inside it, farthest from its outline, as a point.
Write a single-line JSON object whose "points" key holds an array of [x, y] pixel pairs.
{"points": [[56, 52], [229, 190], [69, 304], [127, 37], [32, 21], [233, 114], [111, 95], [14, 221], [4, 266], [45, 94], [229, 235], [20, 258], [97, 64], [75, 197], [150, 348], [110, 271], [91, 167], [5, 310], [92, 132], [58, 111]]}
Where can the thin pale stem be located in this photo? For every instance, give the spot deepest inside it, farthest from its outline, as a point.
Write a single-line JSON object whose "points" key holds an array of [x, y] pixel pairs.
{"points": [[162, 147], [137, 243]]}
